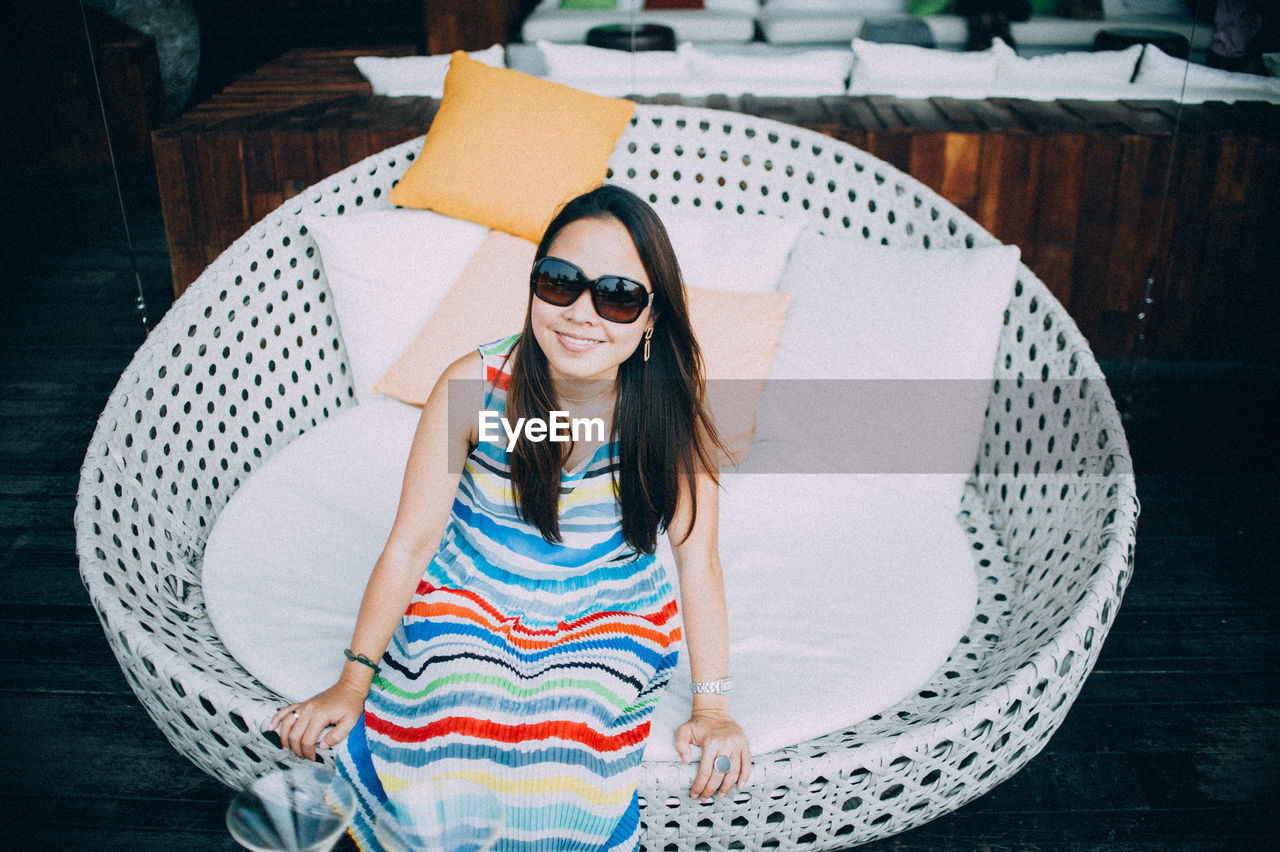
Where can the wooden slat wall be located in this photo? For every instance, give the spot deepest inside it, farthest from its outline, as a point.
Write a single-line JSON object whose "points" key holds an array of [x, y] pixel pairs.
{"points": [[1090, 191]]}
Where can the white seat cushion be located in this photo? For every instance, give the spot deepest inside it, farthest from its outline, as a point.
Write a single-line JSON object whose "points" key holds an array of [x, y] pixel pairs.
{"points": [[286, 563], [838, 612]]}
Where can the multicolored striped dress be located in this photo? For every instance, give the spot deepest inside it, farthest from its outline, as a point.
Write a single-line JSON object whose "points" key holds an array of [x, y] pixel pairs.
{"points": [[527, 667]]}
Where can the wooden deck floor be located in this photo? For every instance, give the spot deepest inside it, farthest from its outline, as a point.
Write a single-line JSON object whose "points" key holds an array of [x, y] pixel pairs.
{"points": [[1172, 744]]}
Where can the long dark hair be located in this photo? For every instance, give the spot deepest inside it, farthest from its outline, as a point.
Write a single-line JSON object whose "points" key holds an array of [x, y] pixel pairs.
{"points": [[661, 422]]}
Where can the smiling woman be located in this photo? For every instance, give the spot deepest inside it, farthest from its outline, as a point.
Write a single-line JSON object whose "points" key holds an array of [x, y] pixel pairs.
{"points": [[529, 654]]}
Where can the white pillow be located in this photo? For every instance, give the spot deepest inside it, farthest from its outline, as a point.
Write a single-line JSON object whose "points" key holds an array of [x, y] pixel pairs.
{"points": [[746, 257], [1160, 69], [581, 60], [1103, 66], [417, 75], [824, 578], [899, 62], [884, 363], [387, 271], [829, 66]]}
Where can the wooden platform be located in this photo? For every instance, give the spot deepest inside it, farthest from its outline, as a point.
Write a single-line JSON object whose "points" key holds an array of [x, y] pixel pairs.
{"points": [[1092, 192], [1173, 744]]}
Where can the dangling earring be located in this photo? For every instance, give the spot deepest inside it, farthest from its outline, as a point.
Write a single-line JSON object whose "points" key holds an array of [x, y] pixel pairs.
{"points": [[648, 335]]}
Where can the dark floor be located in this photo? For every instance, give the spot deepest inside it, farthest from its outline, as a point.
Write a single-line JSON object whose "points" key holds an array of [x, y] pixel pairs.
{"points": [[1171, 745]]}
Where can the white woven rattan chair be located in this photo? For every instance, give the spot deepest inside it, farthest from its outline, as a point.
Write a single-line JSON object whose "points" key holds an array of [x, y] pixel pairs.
{"points": [[251, 357]]}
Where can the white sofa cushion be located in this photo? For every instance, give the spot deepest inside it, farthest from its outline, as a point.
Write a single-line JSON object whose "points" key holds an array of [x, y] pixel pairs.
{"points": [[728, 23], [395, 76], [829, 68], [574, 60], [1160, 69], [844, 597], [898, 63], [691, 70], [1104, 67]]}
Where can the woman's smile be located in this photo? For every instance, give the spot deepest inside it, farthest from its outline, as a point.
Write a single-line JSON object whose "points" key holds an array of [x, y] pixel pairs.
{"points": [[577, 342]]}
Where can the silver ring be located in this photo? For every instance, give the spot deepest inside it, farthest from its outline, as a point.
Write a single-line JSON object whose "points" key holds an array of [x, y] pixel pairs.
{"points": [[295, 713], [723, 764]]}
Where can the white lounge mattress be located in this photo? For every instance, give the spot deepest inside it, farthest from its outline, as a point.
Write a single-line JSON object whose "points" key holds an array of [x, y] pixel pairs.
{"points": [[838, 612]]}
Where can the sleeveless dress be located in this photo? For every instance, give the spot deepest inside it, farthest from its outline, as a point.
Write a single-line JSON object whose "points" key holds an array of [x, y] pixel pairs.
{"points": [[527, 667]]}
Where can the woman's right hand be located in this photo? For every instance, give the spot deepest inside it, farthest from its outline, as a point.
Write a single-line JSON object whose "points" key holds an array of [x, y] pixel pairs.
{"points": [[300, 725]]}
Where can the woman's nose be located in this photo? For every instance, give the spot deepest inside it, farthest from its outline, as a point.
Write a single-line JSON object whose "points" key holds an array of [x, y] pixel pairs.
{"points": [[582, 309]]}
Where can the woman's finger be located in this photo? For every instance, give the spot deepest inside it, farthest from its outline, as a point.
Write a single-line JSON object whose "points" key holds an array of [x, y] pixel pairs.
{"points": [[706, 770], [286, 720], [311, 736], [280, 715], [297, 726], [734, 775]]}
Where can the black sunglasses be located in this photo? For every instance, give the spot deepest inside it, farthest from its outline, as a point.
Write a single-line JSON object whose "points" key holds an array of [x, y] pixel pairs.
{"points": [[617, 299]]}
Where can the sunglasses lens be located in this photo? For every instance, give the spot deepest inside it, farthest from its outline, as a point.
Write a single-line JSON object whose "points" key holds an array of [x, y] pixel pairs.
{"points": [[619, 299], [557, 282]]}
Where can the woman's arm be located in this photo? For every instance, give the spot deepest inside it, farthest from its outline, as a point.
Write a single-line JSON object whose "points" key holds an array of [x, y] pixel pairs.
{"points": [[431, 478], [706, 631]]}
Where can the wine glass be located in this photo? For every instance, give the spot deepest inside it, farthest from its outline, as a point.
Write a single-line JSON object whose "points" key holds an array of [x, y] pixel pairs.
{"points": [[304, 809], [440, 815]]}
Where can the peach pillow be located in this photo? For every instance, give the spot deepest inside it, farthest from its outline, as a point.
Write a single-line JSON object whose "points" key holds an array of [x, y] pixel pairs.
{"points": [[487, 302], [737, 332], [506, 149]]}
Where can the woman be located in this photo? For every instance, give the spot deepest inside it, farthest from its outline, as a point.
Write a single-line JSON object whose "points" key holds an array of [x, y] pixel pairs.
{"points": [[530, 652]]}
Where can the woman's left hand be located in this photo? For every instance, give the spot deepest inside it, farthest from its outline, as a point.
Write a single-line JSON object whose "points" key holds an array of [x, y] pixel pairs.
{"points": [[715, 732]]}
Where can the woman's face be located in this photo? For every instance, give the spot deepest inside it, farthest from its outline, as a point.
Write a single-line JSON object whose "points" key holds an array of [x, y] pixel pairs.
{"points": [[579, 344]]}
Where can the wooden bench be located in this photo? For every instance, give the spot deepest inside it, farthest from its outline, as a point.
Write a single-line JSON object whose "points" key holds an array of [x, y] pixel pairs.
{"points": [[1097, 194]]}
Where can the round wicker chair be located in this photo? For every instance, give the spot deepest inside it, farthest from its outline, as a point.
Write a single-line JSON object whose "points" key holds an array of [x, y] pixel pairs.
{"points": [[251, 357]]}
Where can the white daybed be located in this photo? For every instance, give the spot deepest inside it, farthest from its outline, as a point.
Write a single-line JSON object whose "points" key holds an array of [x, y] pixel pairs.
{"points": [[252, 356]]}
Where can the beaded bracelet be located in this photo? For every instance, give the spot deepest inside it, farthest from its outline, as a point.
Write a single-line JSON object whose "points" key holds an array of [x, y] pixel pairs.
{"points": [[362, 660]]}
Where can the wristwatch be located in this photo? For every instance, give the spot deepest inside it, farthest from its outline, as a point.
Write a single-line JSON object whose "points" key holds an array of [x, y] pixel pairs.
{"points": [[714, 687]]}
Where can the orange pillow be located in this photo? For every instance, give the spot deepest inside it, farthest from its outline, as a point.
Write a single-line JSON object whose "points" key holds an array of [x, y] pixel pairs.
{"points": [[737, 332], [506, 149]]}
